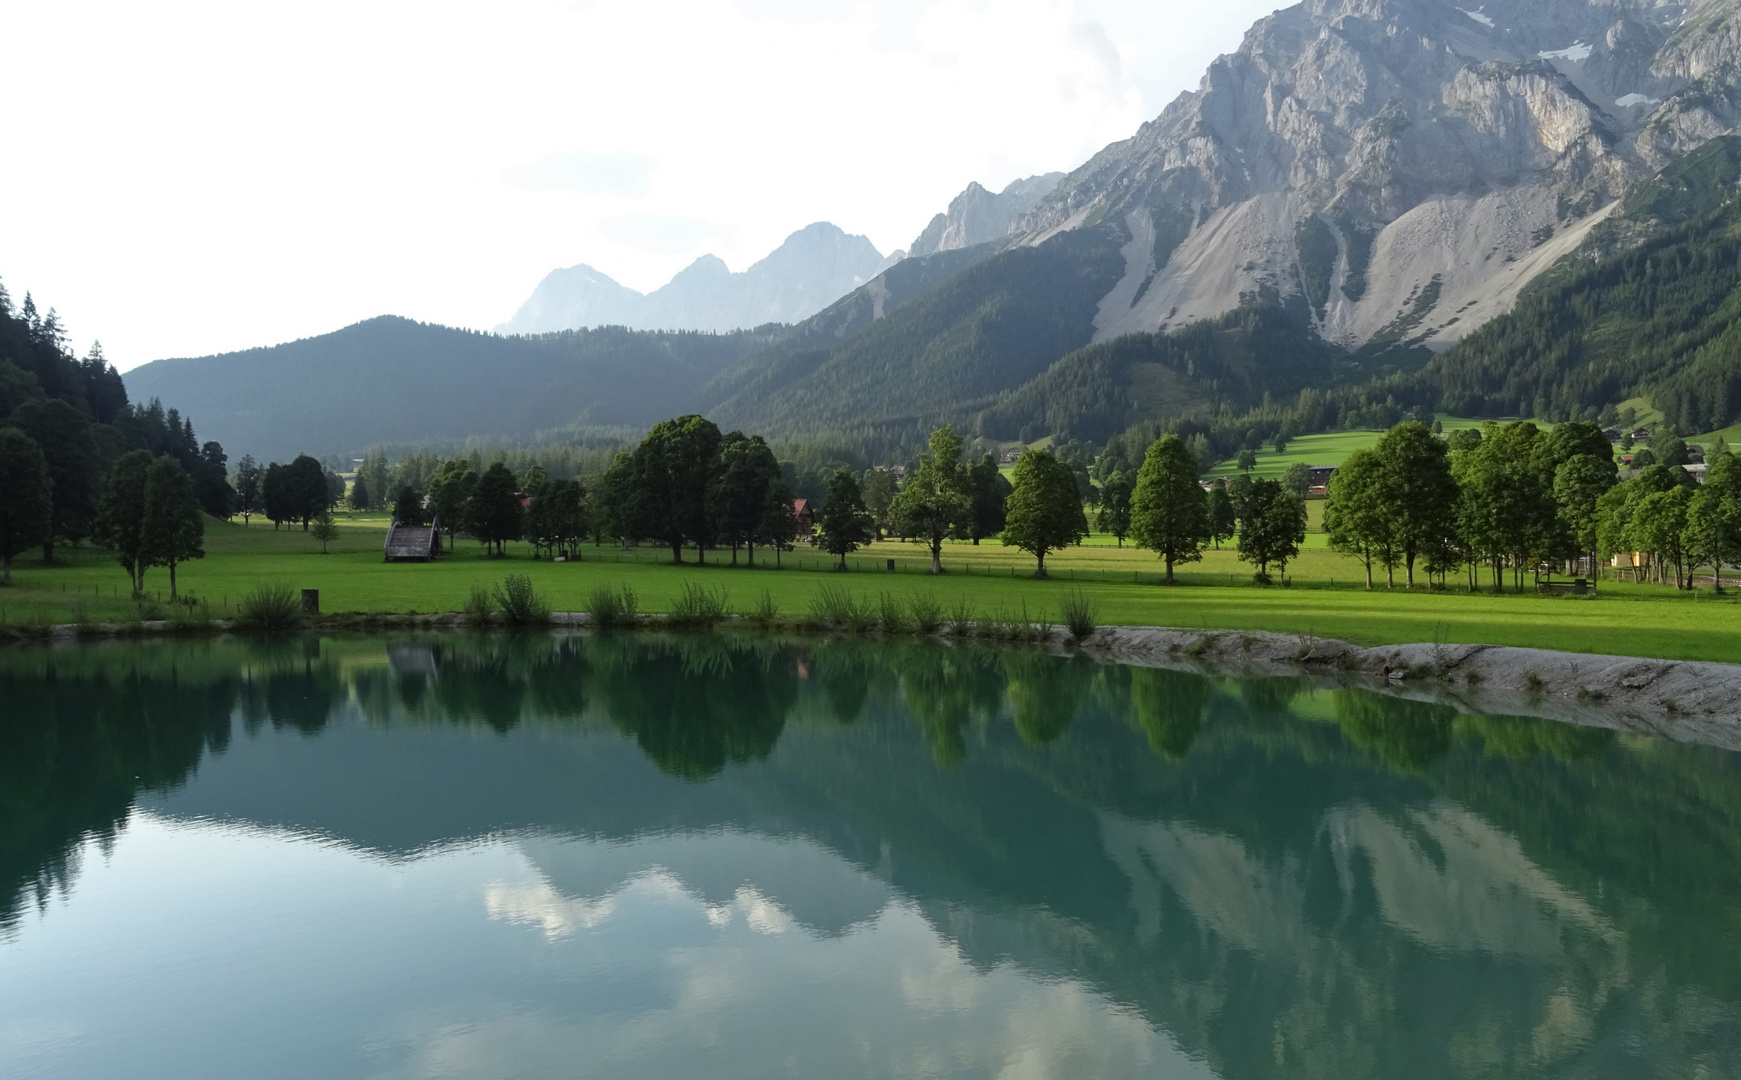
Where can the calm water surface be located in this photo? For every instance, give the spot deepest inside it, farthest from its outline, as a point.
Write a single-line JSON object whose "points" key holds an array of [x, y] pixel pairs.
{"points": [[642, 857]]}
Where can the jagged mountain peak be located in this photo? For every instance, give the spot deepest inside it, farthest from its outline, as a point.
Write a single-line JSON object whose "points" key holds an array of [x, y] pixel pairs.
{"points": [[811, 268], [977, 215]]}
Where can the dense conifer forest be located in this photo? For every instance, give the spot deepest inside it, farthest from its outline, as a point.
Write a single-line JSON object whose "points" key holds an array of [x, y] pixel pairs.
{"points": [[75, 453]]}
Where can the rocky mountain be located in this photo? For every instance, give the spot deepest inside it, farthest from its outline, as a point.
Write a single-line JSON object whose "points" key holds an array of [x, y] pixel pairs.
{"points": [[813, 267], [1393, 173], [1405, 166], [976, 216]]}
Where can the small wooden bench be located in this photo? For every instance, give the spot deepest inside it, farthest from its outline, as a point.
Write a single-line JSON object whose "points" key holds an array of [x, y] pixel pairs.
{"points": [[1575, 587]]}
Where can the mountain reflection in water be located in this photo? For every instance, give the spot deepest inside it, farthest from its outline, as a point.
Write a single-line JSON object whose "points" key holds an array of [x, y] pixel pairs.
{"points": [[710, 855]]}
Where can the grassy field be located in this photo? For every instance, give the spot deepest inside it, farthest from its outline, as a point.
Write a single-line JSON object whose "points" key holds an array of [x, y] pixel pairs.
{"points": [[1331, 448], [1326, 596]]}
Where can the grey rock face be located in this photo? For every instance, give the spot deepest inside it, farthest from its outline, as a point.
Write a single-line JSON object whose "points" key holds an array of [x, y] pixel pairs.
{"points": [[1399, 163], [815, 266], [976, 216]]}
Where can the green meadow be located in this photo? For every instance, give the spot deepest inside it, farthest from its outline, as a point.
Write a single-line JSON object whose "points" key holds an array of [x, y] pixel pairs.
{"points": [[1326, 595]]}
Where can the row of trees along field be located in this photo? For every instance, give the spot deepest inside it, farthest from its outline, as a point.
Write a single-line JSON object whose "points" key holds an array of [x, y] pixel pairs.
{"points": [[687, 485], [1516, 497], [66, 432]]}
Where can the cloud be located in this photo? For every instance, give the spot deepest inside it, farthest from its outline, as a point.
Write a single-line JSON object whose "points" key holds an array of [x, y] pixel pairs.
{"points": [[661, 235], [604, 174]]}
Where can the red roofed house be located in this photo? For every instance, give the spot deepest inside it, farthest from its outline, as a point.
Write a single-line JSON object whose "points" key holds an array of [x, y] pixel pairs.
{"points": [[806, 519]]}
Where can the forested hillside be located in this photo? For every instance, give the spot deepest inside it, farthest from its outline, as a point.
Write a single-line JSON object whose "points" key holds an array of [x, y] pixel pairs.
{"points": [[1661, 319], [64, 422], [1263, 348], [391, 380], [984, 330]]}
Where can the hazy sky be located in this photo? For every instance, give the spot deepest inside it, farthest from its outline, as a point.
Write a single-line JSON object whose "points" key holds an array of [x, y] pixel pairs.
{"points": [[186, 178]]}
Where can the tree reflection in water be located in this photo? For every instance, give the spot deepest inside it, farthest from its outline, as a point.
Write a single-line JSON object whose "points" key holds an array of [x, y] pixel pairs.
{"points": [[1374, 885]]}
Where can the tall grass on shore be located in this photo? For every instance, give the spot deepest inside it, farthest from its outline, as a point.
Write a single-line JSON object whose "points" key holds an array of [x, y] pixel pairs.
{"points": [[520, 603], [1079, 613], [698, 605], [612, 605], [273, 608]]}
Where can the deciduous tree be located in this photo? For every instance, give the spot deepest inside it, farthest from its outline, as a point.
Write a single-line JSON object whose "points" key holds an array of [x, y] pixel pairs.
{"points": [[1272, 528], [672, 469], [68, 446], [843, 525], [990, 494], [493, 512], [1169, 511], [121, 515], [173, 528], [1114, 513], [26, 497], [934, 502], [1045, 509], [247, 487], [1355, 516]]}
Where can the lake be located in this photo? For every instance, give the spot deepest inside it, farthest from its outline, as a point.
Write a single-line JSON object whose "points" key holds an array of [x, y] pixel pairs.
{"points": [[718, 856]]}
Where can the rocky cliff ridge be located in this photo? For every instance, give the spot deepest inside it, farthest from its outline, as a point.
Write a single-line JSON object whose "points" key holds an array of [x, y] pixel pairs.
{"points": [[1404, 166]]}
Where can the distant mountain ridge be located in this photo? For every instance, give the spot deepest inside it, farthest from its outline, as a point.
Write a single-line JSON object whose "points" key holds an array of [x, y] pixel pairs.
{"points": [[392, 380], [811, 269], [976, 216]]}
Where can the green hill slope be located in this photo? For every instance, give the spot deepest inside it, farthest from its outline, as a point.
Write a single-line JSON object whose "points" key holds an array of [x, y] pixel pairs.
{"points": [[397, 381], [1661, 320], [986, 329]]}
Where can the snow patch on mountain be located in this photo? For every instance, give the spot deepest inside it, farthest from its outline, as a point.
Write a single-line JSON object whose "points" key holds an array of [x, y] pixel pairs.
{"points": [[1577, 52]]}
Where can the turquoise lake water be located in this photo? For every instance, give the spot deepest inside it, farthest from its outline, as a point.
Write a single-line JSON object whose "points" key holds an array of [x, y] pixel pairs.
{"points": [[630, 856]]}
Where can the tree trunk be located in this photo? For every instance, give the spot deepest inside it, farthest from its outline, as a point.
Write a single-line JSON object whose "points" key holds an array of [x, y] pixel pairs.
{"points": [[1041, 571], [1409, 562], [677, 551], [937, 556], [750, 553], [1369, 575], [1169, 558], [48, 551], [1390, 575], [172, 580]]}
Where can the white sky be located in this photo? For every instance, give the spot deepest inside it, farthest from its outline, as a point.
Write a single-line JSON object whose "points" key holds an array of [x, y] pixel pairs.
{"points": [[187, 178]]}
